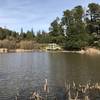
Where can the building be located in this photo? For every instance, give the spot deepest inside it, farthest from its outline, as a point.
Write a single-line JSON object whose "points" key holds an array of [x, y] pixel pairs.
{"points": [[53, 46]]}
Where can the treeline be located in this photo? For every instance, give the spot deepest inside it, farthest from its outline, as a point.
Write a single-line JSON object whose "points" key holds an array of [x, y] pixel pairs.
{"points": [[19, 40], [78, 28]]}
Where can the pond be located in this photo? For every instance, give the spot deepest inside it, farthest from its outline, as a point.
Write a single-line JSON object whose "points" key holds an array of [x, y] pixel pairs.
{"points": [[26, 70]]}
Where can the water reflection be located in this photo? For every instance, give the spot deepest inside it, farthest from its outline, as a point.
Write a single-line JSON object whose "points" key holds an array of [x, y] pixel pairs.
{"points": [[79, 68], [26, 70]]}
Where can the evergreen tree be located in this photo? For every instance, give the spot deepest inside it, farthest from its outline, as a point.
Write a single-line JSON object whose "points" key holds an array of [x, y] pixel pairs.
{"points": [[29, 35]]}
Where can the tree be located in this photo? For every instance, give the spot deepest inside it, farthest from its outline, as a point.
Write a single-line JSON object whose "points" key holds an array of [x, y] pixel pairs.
{"points": [[78, 13], [22, 33], [77, 38], [94, 9], [77, 42], [93, 22], [67, 21], [39, 36], [56, 31], [56, 28], [33, 32], [29, 35]]}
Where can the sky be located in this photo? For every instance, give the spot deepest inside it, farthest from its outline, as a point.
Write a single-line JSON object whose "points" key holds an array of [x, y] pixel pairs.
{"points": [[36, 14]]}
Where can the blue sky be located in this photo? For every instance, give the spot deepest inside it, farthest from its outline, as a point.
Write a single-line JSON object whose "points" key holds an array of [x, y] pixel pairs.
{"points": [[36, 14]]}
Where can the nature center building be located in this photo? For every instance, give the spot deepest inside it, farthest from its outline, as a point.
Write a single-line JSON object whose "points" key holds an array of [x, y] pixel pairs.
{"points": [[53, 46]]}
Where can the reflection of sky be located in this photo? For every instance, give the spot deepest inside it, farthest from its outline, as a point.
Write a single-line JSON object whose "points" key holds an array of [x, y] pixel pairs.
{"points": [[38, 14]]}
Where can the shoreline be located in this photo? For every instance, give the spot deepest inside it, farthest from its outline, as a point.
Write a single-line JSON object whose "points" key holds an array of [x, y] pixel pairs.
{"points": [[88, 51]]}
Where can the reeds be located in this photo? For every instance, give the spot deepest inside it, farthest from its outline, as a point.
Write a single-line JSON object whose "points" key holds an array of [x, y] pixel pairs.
{"points": [[82, 92], [71, 91]]}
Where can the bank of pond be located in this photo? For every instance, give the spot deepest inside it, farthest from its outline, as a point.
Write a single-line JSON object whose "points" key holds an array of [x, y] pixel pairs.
{"points": [[88, 51]]}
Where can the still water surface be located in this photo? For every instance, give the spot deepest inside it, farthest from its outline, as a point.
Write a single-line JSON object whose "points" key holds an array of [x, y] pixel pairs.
{"points": [[25, 70]]}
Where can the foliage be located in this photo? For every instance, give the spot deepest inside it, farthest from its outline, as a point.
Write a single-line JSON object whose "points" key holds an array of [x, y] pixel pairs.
{"points": [[75, 30]]}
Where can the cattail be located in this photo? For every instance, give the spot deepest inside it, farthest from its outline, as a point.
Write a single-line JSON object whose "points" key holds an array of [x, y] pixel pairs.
{"points": [[46, 89], [66, 86], [87, 98], [96, 85], [69, 95], [38, 97], [74, 84], [76, 98], [16, 98], [87, 86]]}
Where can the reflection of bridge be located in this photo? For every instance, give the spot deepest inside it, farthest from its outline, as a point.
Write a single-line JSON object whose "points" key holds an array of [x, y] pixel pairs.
{"points": [[53, 46]]}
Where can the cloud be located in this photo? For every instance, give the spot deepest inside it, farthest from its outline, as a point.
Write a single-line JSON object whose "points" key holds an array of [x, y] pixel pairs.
{"points": [[32, 13]]}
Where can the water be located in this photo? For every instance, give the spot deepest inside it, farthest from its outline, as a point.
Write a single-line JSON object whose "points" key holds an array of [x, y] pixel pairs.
{"points": [[19, 71]]}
